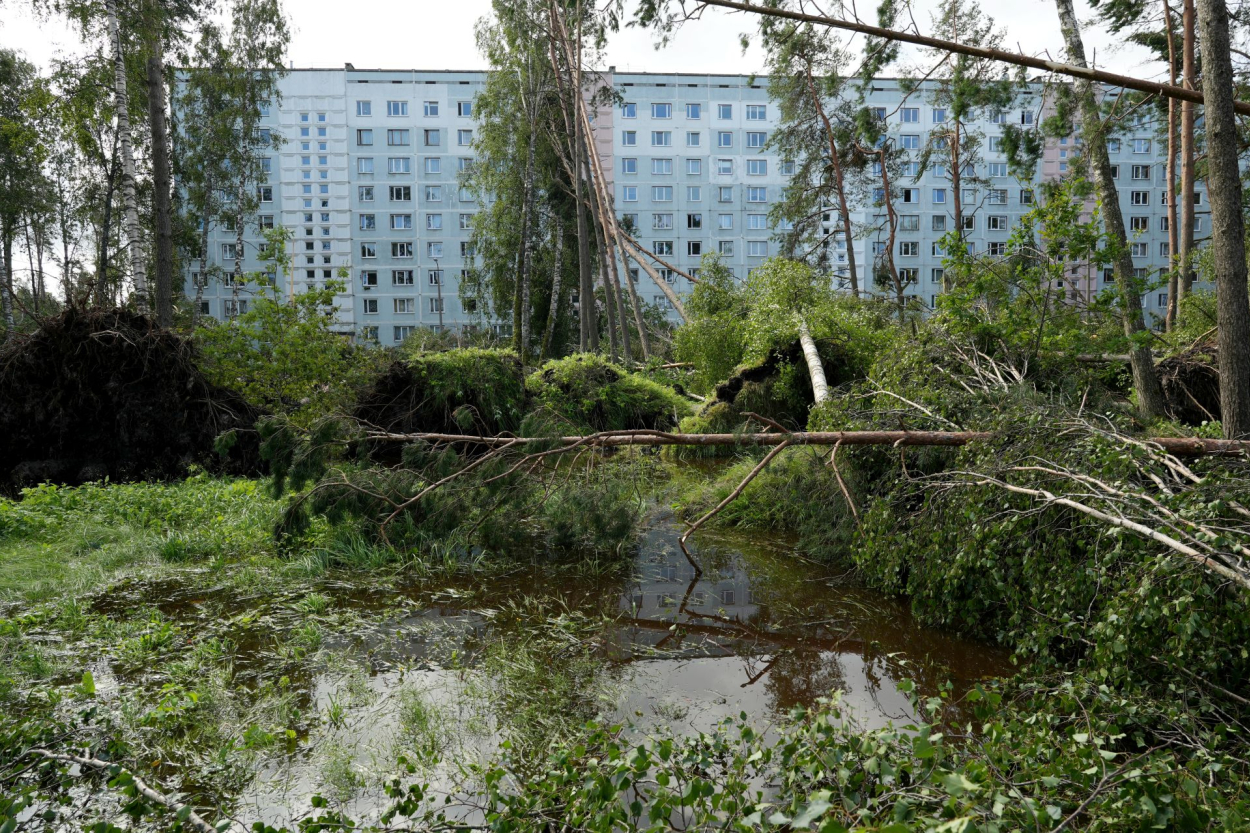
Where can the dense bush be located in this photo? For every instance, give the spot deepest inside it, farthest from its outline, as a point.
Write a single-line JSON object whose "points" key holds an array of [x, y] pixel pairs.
{"points": [[591, 394], [471, 390]]}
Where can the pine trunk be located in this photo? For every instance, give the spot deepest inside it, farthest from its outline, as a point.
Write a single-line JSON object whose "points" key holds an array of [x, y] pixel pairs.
{"points": [[1145, 379], [639, 321], [1189, 69], [521, 295], [1228, 244], [839, 182], [130, 219], [1169, 320]]}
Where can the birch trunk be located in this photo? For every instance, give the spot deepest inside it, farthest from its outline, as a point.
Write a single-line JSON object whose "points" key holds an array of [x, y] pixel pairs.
{"points": [[820, 385], [655, 276], [121, 99], [521, 305], [1227, 222], [1145, 379], [633, 300]]}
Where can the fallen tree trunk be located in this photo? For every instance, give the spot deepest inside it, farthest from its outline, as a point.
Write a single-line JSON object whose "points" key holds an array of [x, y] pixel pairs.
{"points": [[1181, 446]]}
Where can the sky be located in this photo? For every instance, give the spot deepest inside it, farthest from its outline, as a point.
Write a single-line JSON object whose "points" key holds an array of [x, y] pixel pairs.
{"points": [[438, 34]]}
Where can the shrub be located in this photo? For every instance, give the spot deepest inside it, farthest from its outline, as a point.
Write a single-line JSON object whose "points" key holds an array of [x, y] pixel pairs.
{"points": [[470, 390], [594, 395]]}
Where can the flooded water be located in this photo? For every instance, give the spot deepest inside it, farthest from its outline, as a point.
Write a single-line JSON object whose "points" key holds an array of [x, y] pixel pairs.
{"points": [[442, 672]]}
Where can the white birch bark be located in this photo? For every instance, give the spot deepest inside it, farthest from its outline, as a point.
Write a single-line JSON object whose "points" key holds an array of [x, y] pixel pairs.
{"points": [[130, 203], [820, 385]]}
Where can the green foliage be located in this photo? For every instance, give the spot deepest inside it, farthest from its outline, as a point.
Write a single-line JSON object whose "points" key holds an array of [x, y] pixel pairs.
{"points": [[284, 354], [713, 336], [475, 388], [589, 393], [784, 295]]}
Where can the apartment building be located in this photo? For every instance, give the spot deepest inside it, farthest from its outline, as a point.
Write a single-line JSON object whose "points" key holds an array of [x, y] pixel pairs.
{"points": [[366, 181]]}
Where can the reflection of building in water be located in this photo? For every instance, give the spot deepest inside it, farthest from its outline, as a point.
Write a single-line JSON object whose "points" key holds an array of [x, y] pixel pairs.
{"points": [[663, 583]]}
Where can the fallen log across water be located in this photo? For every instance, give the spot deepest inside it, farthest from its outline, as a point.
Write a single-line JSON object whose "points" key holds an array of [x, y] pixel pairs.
{"points": [[1180, 446]]}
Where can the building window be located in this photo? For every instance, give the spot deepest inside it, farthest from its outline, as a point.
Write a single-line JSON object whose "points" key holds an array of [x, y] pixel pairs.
{"points": [[998, 196], [662, 193], [939, 222], [661, 138], [757, 222], [629, 193], [368, 279], [434, 249], [724, 112], [757, 112], [1026, 196], [395, 138], [757, 167], [629, 110], [662, 222], [725, 193], [910, 141], [629, 166], [661, 167], [1139, 223], [1143, 197], [401, 221], [1141, 250], [265, 193], [909, 248], [433, 222], [694, 193], [757, 248], [1141, 146], [430, 109], [725, 222], [661, 111], [433, 138], [1141, 172], [726, 247], [694, 110], [401, 250], [396, 108], [909, 115], [464, 109], [436, 305], [756, 140], [401, 277], [911, 195], [402, 332], [433, 193], [464, 138], [724, 167], [368, 250], [694, 138], [724, 139], [909, 222], [939, 116], [757, 193], [694, 167], [369, 306], [629, 138], [399, 165], [662, 247], [368, 222]]}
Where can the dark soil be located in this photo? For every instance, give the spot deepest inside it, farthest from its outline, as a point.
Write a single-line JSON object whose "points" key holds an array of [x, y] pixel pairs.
{"points": [[1191, 385], [109, 394]]}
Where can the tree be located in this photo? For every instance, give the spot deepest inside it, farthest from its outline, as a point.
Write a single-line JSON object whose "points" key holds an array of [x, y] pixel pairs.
{"points": [[22, 152], [965, 87], [1145, 379], [1227, 221], [784, 296], [816, 132]]}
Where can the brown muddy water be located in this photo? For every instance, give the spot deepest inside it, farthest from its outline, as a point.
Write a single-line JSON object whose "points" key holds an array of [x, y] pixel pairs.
{"points": [[442, 672]]}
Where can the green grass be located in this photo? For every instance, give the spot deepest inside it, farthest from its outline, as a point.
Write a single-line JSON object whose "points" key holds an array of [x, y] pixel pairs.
{"points": [[67, 541]]}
